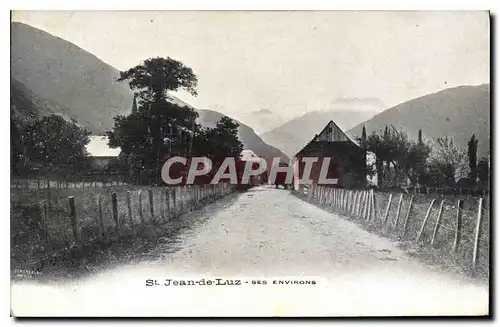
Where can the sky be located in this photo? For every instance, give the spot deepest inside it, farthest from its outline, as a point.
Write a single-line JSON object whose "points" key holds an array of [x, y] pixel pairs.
{"points": [[290, 62]]}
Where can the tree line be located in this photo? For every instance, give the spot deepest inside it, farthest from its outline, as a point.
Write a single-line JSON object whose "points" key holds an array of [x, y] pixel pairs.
{"points": [[430, 163], [47, 145], [158, 129]]}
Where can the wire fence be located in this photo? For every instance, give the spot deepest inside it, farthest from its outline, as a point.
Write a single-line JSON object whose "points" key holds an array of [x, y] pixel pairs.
{"points": [[48, 222], [22, 185], [452, 229]]}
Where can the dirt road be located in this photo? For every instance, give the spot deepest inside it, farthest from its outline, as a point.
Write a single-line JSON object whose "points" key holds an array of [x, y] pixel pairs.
{"points": [[264, 235]]}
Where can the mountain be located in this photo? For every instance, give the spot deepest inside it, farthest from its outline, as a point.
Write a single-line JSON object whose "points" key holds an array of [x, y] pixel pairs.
{"points": [[295, 134], [247, 136], [52, 75], [263, 120], [457, 112], [24, 102], [58, 70]]}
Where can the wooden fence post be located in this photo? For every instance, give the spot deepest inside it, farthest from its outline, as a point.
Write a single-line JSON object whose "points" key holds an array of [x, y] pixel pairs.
{"points": [[72, 215], [458, 232], [361, 198], [398, 211], [374, 205], [369, 202], [438, 220], [181, 199], [174, 197], [151, 204], [359, 204], [114, 208], [425, 220], [342, 200], [349, 202], [478, 232], [386, 214], [405, 225], [141, 216], [339, 200], [354, 202], [365, 204], [370, 206], [167, 202], [345, 201], [129, 208]]}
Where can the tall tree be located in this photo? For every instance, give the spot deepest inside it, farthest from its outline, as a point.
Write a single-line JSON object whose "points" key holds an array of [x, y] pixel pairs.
{"points": [[397, 156], [54, 144], [165, 128], [363, 138], [154, 77], [445, 158]]}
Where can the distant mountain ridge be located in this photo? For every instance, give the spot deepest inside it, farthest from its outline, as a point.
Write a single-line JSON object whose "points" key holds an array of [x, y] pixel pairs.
{"points": [[263, 120], [58, 70], [247, 136], [51, 75], [458, 112]]}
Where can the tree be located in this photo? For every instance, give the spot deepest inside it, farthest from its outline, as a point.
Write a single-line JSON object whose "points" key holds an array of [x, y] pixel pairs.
{"points": [[157, 129], [363, 139], [154, 77], [444, 150], [483, 170], [397, 156], [16, 147], [141, 152], [54, 144], [472, 155], [445, 158], [227, 142]]}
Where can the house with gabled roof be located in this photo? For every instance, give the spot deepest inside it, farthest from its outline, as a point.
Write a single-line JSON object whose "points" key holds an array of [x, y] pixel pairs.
{"points": [[347, 159]]}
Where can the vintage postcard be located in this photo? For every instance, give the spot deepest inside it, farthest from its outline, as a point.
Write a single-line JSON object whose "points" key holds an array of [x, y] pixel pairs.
{"points": [[250, 163]]}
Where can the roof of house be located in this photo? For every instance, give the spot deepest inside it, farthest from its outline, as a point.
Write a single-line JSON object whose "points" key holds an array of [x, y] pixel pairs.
{"points": [[331, 133], [249, 155], [98, 147]]}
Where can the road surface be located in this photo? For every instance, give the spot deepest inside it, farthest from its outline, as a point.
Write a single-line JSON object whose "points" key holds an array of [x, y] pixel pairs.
{"points": [[263, 235]]}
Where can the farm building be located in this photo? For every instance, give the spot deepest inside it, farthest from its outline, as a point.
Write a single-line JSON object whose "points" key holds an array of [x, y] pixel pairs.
{"points": [[100, 154], [347, 159]]}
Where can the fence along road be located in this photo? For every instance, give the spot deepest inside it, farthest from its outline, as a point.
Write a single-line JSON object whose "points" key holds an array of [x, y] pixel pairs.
{"points": [[267, 234]]}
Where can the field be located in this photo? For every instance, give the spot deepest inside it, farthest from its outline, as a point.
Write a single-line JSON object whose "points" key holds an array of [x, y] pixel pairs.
{"points": [[48, 220], [432, 241]]}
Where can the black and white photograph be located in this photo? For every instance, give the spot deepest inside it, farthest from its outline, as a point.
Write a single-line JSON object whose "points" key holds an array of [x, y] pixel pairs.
{"points": [[241, 163]]}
